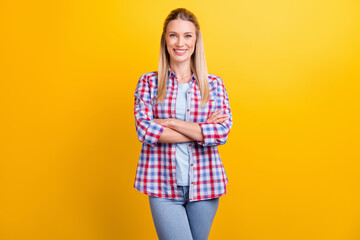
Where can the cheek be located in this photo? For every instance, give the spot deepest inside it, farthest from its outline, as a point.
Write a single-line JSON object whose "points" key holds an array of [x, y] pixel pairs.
{"points": [[170, 42], [192, 43], [169, 46]]}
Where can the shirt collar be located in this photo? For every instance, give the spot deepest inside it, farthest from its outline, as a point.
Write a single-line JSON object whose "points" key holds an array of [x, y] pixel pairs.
{"points": [[172, 73]]}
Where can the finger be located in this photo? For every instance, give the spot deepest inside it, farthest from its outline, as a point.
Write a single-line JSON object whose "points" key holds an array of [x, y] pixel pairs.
{"points": [[213, 116], [221, 120], [217, 120], [216, 112], [222, 117]]}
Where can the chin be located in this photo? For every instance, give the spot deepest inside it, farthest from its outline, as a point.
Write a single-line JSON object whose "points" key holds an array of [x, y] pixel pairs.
{"points": [[180, 60]]}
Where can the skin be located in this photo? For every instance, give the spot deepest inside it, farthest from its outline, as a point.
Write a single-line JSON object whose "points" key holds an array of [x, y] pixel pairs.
{"points": [[181, 34]]}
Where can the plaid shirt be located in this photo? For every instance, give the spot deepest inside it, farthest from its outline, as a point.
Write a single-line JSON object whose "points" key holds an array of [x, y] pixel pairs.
{"points": [[156, 168]]}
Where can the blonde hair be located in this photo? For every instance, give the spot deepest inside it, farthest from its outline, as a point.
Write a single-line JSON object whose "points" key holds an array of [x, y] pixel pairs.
{"points": [[198, 61]]}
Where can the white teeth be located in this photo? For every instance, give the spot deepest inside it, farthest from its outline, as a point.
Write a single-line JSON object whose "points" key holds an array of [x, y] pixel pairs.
{"points": [[179, 51]]}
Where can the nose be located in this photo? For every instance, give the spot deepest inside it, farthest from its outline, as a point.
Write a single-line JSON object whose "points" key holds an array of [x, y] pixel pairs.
{"points": [[179, 41]]}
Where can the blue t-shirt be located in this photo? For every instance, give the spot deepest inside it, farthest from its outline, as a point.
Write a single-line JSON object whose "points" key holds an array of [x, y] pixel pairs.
{"points": [[182, 153]]}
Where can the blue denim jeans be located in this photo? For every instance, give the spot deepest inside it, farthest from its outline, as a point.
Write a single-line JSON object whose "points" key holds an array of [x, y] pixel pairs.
{"points": [[179, 219]]}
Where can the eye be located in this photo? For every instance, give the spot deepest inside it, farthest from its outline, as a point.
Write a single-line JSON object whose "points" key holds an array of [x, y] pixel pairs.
{"points": [[188, 36], [172, 35]]}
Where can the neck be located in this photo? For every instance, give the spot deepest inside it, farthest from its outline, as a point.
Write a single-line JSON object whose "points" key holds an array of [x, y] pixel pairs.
{"points": [[182, 70]]}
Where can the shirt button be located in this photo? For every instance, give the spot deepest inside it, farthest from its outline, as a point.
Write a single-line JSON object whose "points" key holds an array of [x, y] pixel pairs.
{"points": [[188, 92], [189, 144], [191, 164], [188, 109], [192, 182]]}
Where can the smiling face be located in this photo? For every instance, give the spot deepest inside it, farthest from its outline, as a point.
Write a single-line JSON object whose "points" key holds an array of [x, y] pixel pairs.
{"points": [[180, 40]]}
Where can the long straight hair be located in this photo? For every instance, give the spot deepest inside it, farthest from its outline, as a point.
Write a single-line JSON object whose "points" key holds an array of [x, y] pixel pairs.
{"points": [[198, 60]]}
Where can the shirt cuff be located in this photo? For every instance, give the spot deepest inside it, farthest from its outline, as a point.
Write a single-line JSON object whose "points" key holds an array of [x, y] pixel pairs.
{"points": [[209, 133], [153, 133]]}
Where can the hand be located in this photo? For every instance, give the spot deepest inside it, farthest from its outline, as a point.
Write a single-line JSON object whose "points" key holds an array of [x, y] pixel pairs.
{"points": [[166, 121], [216, 118]]}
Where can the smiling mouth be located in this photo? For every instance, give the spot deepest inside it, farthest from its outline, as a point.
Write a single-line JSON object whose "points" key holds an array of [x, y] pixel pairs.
{"points": [[180, 51]]}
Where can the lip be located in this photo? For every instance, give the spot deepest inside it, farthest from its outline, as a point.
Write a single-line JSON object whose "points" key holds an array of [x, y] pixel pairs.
{"points": [[180, 54]]}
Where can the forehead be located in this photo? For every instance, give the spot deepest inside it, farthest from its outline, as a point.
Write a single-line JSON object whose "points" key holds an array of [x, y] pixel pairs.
{"points": [[180, 26]]}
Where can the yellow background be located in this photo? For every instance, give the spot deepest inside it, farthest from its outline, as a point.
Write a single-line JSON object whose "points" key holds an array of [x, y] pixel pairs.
{"points": [[68, 143]]}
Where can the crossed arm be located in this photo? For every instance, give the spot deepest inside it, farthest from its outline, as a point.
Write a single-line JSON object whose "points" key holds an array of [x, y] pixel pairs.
{"points": [[177, 131], [212, 132]]}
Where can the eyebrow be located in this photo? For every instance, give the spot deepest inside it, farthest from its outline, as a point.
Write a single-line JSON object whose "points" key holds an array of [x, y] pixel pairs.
{"points": [[184, 33]]}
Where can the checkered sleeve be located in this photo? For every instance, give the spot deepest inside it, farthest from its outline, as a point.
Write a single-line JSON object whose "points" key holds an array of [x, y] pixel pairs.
{"points": [[217, 133], [146, 129]]}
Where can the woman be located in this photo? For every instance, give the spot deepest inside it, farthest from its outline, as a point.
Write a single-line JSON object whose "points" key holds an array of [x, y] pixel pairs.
{"points": [[182, 114]]}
